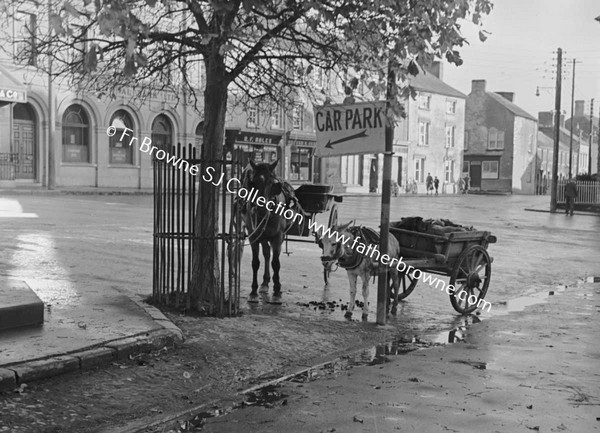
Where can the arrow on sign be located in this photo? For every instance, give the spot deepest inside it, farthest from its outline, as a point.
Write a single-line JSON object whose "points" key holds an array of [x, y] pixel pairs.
{"points": [[330, 143]]}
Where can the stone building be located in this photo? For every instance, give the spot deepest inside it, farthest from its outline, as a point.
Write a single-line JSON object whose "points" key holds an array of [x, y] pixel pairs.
{"points": [[500, 143]]}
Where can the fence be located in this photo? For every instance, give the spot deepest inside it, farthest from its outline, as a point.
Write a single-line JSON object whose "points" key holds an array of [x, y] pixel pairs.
{"points": [[176, 194], [7, 166], [588, 192]]}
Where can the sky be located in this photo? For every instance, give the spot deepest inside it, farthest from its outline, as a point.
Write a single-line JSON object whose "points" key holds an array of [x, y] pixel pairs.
{"points": [[520, 53]]}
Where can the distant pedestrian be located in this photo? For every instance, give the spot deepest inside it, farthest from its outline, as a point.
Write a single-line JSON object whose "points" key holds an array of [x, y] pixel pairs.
{"points": [[395, 188], [570, 195], [467, 184], [436, 184], [429, 184]]}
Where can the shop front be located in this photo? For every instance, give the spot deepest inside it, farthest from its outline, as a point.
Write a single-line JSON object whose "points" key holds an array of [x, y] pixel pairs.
{"points": [[302, 154], [259, 147]]}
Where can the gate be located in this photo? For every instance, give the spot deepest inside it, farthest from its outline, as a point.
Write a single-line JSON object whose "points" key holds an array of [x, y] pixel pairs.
{"points": [[176, 193]]}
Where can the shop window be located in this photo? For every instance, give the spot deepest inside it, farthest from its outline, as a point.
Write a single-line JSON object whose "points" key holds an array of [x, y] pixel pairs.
{"points": [[489, 170], [120, 151], [300, 165], [75, 135]]}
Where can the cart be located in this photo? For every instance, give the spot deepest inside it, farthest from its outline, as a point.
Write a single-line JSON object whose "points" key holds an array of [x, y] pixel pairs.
{"points": [[314, 199], [460, 255]]}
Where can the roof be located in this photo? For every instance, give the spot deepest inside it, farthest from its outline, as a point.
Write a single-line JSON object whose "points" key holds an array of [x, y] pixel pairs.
{"points": [[515, 109], [546, 137], [427, 82]]}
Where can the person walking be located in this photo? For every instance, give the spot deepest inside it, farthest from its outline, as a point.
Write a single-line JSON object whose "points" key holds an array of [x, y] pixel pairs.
{"points": [[570, 196], [429, 183], [436, 184]]}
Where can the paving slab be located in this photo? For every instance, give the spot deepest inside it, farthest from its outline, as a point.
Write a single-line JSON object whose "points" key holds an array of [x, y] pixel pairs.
{"points": [[19, 305]]}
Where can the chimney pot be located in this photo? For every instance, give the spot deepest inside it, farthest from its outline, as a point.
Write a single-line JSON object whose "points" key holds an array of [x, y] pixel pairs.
{"points": [[477, 86]]}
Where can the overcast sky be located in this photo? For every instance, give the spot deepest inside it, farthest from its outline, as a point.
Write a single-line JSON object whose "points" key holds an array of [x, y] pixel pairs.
{"points": [[520, 53]]}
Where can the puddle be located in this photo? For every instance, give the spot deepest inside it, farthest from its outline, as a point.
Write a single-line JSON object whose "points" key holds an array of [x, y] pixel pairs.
{"points": [[474, 364], [522, 302]]}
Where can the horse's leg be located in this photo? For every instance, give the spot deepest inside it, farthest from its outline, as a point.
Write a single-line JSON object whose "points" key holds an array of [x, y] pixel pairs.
{"points": [[255, 265], [365, 276], [352, 277], [276, 245], [264, 287]]}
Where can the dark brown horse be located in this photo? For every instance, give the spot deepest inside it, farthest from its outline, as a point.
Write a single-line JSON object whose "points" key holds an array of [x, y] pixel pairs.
{"points": [[266, 222]]}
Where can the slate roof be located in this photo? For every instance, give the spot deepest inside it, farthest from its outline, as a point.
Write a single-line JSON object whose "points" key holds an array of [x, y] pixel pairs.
{"points": [[427, 82], [515, 109]]}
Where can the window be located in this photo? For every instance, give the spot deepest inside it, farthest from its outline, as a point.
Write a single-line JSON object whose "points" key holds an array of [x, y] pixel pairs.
{"points": [[319, 77], [120, 152], [450, 106], [423, 133], [448, 170], [466, 140], [300, 164], [252, 118], [495, 139], [75, 135], [276, 118], [450, 133], [297, 117], [424, 102], [26, 46], [351, 169], [531, 148], [199, 138], [489, 169], [420, 170], [466, 166], [162, 133]]}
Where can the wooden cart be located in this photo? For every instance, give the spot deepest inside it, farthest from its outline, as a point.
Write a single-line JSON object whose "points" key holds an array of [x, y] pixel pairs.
{"points": [[460, 255]]}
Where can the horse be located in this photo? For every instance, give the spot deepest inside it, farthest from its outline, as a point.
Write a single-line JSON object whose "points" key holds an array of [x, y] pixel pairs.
{"points": [[346, 245], [266, 223]]}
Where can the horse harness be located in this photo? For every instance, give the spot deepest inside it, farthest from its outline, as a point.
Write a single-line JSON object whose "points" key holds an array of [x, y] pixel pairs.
{"points": [[366, 234]]}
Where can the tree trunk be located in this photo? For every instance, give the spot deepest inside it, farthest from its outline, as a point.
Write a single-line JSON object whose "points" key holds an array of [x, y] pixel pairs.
{"points": [[205, 265]]}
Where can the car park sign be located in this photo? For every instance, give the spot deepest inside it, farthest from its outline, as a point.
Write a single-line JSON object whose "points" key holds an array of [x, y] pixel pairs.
{"points": [[348, 129]]}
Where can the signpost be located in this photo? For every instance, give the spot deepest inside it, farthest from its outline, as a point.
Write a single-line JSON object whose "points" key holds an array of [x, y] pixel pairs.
{"points": [[350, 129]]}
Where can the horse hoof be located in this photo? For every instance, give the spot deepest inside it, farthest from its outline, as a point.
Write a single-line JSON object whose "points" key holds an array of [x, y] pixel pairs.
{"points": [[263, 288], [253, 299], [394, 310], [275, 299], [348, 315], [364, 317]]}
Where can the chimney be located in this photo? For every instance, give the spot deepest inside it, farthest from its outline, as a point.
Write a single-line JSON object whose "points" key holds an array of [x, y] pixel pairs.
{"points": [[510, 96], [436, 68], [478, 86], [579, 108], [545, 119]]}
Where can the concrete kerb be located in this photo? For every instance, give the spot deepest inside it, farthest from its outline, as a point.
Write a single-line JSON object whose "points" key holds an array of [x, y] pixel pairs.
{"points": [[560, 212], [14, 375]]}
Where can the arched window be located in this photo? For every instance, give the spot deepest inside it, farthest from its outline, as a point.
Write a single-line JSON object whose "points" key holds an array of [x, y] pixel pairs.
{"points": [[162, 133], [76, 135], [120, 151], [199, 137]]}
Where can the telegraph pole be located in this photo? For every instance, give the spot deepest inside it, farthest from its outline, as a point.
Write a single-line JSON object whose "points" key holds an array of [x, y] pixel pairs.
{"points": [[51, 116], [571, 126], [554, 187], [591, 135]]}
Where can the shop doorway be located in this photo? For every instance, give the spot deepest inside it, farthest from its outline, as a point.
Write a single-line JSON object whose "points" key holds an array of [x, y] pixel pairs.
{"points": [[373, 175]]}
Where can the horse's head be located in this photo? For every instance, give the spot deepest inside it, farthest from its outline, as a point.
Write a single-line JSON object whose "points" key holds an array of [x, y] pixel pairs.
{"points": [[264, 180], [335, 243]]}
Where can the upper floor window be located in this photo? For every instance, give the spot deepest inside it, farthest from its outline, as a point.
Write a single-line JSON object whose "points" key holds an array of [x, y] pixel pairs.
{"points": [[450, 106], [297, 117], [423, 133], [495, 139], [425, 102], [450, 134], [277, 118], [252, 117], [319, 77]]}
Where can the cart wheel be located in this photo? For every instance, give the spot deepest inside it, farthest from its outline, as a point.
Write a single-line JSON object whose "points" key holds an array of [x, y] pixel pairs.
{"points": [[333, 216], [471, 274], [407, 285]]}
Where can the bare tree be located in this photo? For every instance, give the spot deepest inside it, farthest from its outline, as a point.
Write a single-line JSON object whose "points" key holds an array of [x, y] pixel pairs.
{"points": [[248, 49]]}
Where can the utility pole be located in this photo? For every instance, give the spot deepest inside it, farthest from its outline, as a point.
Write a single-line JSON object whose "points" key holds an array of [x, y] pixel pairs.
{"points": [[554, 187], [51, 115], [571, 126], [598, 166], [591, 135]]}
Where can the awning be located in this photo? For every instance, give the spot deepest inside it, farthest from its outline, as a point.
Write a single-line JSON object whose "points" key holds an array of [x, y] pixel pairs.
{"points": [[11, 89]]}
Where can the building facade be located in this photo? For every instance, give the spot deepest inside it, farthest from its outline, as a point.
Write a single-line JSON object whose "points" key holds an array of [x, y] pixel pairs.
{"points": [[500, 145]]}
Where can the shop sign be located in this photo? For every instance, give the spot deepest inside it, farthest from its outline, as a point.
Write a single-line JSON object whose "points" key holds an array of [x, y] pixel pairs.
{"points": [[301, 143], [258, 138], [12, 95], [349, 129]]}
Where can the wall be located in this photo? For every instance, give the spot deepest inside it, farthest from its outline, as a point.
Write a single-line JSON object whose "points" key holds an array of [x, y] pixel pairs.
{"points": [[523, 166]]}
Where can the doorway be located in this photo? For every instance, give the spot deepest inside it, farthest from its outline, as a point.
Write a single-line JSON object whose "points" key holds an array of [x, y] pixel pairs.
{"points": [[24, 144], [475, 176], [373, 175]]}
